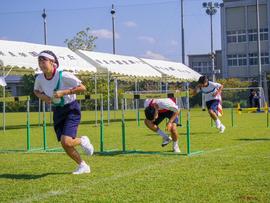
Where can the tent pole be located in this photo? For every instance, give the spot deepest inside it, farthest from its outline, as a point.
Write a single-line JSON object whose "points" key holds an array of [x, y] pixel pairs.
{"points": [[115, 96]]}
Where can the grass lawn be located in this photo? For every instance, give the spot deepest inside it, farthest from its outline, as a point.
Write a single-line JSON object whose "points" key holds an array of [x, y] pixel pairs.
{"points": [[233, 167]]}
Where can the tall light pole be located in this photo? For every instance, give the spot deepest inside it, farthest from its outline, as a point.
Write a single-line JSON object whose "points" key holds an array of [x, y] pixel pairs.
{"points": [[182, 31], [211, 9], [113, 31], [44, 15]]}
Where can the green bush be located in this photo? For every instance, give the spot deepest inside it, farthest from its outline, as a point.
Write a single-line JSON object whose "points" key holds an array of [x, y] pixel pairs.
{"points": [[243, 104], [227, 104]]}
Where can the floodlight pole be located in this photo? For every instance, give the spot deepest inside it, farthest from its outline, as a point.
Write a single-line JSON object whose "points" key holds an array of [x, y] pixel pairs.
{"points": [[113, 29], [211, 9], [115, 79]]}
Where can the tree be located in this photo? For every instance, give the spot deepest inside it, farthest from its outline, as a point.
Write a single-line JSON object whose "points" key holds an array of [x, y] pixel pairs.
{"points": [[83, 40], [28, 86]]}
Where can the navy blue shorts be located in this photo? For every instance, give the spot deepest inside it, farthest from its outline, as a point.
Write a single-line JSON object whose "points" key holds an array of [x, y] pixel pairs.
{"points": [[67, 119], [212, 104], [163, 115]]}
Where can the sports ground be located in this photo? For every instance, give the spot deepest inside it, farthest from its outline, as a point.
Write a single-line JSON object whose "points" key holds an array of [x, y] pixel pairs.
{"points": [[232, 167]]}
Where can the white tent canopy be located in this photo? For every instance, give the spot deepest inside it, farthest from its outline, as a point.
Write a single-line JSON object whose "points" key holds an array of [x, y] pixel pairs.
{"points": [[128, 67], [172, 70], [24, 55]]}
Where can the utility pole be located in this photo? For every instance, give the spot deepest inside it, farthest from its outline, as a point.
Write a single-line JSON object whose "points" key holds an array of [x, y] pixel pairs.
{"points": [[182, 31]]}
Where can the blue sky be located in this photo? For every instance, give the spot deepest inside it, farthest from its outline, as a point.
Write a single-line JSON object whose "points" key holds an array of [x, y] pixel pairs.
{"points": [[144, 28]]}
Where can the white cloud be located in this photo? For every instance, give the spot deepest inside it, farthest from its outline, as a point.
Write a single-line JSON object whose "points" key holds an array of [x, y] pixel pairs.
{"points": [[174, 43], [152, 55], [104, 34], [130, 24], [147, 39]]}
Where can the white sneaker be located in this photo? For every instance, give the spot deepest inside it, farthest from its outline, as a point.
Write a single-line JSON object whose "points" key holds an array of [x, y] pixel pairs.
{"points": [[166, 141], [222, 128], [176, 149], [82, 168], [87, 146]]}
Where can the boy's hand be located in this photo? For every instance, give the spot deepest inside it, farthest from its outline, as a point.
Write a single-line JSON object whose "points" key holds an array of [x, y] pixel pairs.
{"points": [[47, 99], [59, 94], [216, 93]]}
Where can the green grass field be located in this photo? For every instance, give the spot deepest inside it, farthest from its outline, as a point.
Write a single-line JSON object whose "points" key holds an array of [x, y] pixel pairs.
{"points": [[233, 167]]}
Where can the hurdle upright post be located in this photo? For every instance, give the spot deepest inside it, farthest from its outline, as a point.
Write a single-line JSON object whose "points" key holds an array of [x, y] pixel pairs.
{"points": [[232, 117], [180, 118], [101, 125], [44, 127], [28, 125], [267, 118], [188, 133], [123, 128]]}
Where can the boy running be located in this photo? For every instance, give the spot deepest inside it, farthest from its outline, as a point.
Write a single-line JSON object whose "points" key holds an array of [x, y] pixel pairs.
{"points": [[212, 92], [59, 89], [156, 110]]}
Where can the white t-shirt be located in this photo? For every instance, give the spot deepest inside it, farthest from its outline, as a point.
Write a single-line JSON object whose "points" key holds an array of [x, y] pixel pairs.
{"points": [[163, 104], [68, 81], [210, 90]]}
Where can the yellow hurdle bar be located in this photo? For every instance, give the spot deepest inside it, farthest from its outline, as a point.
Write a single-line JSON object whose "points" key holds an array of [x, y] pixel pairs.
{"points": [[154, 95], [15, 99], [88, 97]]}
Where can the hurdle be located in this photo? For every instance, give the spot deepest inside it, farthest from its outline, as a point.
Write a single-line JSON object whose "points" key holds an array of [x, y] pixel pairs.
{"points": [[138, 95], [28, 131], [252, 110]]}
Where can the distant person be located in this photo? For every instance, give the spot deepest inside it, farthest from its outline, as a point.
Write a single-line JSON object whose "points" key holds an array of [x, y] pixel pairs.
{"points": [[212, 92], [256, 99], [251, 98], [59, 88], [156, 110]]}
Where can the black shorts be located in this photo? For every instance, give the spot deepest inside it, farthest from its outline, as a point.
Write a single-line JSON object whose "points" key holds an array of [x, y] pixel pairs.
{"points": [[163, 115]]}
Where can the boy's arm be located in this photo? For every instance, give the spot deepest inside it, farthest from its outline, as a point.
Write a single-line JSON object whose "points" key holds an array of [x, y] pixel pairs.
{"points": [[219, 90], [42, 96], [60, 93], [195, 91]]}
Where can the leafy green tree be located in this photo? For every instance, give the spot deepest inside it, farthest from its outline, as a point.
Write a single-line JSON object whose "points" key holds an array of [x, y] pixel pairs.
{"points": [[83, 40], [28, 86]]}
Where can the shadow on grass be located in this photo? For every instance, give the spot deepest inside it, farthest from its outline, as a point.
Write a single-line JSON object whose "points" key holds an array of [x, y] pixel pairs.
{"points": [[254, 139], [28, 176], [134, 152]]}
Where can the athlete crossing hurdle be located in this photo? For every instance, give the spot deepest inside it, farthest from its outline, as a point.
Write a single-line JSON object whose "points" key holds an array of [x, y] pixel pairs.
{"points": [[161, 96]]}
